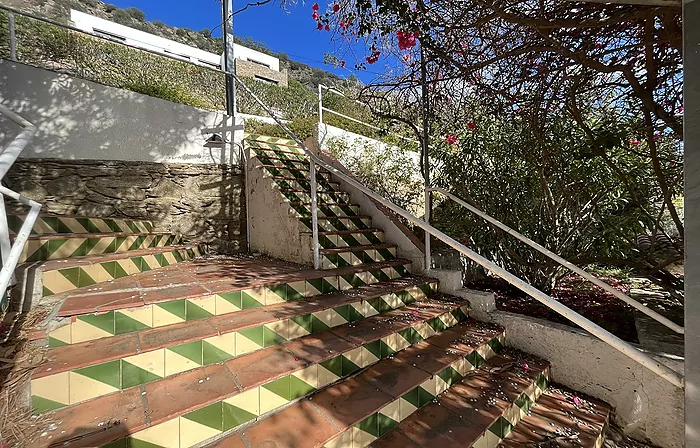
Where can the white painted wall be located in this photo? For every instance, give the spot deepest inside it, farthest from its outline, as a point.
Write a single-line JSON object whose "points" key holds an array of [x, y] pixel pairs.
{"points": [[141, 39], [80, 120]]}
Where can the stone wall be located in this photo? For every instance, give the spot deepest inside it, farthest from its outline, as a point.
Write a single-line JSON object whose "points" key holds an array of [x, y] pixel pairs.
{"points": [[206, 203], [251, 70]]}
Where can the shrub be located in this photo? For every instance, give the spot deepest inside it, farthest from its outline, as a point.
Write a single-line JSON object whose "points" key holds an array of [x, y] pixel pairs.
{"points": [[136, 13], [301, 127]]}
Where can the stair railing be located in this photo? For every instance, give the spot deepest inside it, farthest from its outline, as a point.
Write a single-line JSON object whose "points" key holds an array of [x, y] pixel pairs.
{"points": [[9, 251], [565, 263], [624, 347]]}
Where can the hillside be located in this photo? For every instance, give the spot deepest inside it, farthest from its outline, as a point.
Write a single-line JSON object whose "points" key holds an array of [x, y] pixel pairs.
{"points": [[59, 10]]}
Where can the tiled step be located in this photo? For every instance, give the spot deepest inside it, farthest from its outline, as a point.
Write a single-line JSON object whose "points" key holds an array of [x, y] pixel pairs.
{"points": [[51, 247], [350, 238], [479, 410], [326, 210], [340, 223], [101, 314], [354, 256], [375, 401], [561, 418], [197, 405], [297, 173], [73, 273], [256, 138], [50, 224], [295, 183], [139, 354], [305, 196]]}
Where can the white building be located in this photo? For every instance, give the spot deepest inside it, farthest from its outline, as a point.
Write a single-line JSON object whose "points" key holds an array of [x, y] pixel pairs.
{"points": [[148, 41]]}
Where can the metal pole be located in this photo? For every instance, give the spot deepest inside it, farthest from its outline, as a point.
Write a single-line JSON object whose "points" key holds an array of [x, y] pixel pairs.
{"points": [[426, 159], [5, 245], [13, 43], [320, 106], [229, 59], [314, 216]]}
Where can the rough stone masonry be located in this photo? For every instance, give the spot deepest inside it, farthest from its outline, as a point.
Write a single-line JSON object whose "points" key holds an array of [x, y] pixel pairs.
{"points": [[205, 203]]}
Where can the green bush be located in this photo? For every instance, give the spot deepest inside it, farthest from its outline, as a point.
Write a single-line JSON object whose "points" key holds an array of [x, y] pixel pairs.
{"points": [[301, 127]]}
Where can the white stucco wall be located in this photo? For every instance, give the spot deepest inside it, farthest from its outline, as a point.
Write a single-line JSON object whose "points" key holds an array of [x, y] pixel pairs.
{"points": [[80, 120], [148, 41]]}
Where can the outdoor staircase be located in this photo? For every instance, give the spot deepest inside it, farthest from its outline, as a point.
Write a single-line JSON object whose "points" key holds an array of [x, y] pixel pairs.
{"points": [[154, 345]]}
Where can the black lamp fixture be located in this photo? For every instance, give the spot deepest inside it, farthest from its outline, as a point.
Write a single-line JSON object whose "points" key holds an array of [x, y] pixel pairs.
{"points": [[215, 141]]}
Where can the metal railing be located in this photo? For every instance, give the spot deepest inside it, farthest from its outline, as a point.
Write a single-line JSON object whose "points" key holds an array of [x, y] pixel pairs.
{"points": [[624, 347], [10, 155], [565, 263], [11, 252]]}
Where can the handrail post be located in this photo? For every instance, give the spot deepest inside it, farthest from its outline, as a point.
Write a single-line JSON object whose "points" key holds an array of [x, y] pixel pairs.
{"points": [[5, 245], [314, 215], [320, 106], [13, 43]]}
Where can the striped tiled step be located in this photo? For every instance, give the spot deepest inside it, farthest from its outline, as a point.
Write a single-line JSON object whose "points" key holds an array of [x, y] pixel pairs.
{"points": [[139, 354], [297, 173], [354, 256], [69, 274], [381, 396], [303, 184], [326, 210], [340, 223], [271, 140], [199, 404], [51, 247], [305, 196], [350, 238], [50, 224], [478, 410], [276, 160], [101, 314], [561, 418]]}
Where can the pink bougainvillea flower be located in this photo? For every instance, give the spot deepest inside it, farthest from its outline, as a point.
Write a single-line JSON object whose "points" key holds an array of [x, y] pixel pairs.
{"points": [[657, 136], [577, 400], [451, 139], [525, 367], [406, 40], [336, 8], [342, 64], [635, 142], [319, 26], [342, 25], [680, 110], [471, 125], [315, 15], [327, 27], [315, 7]]}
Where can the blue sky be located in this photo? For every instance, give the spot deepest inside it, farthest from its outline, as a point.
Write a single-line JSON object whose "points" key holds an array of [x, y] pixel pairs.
{"points": [[293, 32]]}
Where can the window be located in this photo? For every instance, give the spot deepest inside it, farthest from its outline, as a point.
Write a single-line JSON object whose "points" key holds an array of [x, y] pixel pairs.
{"points": [[266, 80], [108, 35]]}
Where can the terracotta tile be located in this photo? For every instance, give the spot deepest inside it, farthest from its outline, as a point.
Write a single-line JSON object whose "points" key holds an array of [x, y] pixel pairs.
{"points": [[319, 347], [175, 334], [395, 439], [363, 331], [173, 293], [470, 401], [263, 366], [300, 425], [164, 277], [227, 323], [428, 357], [74, 356], [88, 420], [176, 395], [350, 401], [434, 425], [297, 308], [394, 377], [232, 441], [100, 302]]}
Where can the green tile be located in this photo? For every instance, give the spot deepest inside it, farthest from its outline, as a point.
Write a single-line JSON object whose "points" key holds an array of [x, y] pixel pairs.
{"points": [[475, 359], [270, 338], [174, 307], [211, 416], [53, 343], [255, 334], [459, 315], [125, 324], [280, 290], [195, 312], [114, 269], [496, 345], [437, 324], [375, 348], [542, 381], [299, 388], [385, 424], [56, 224], [133, 375], [523, 402], [107, 373], [412, 397], [370, 425], [343, 311], [348, 367], [247, 301], [334, 365], [233, 298], [41, 405], [424, 397], [191, 350], [54, 245], [450, 376], [280, 387], [119, 443], [212, 354], [104, 321], [501, 428], [72, 275], [304, 321], [162, 261], [386, 350], [379, 304], [235, 416], [317, 325]]}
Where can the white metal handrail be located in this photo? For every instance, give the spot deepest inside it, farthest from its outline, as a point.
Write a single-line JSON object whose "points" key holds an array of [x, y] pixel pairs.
{"points": [[624, 347], [12, 252], [567, 264]]}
